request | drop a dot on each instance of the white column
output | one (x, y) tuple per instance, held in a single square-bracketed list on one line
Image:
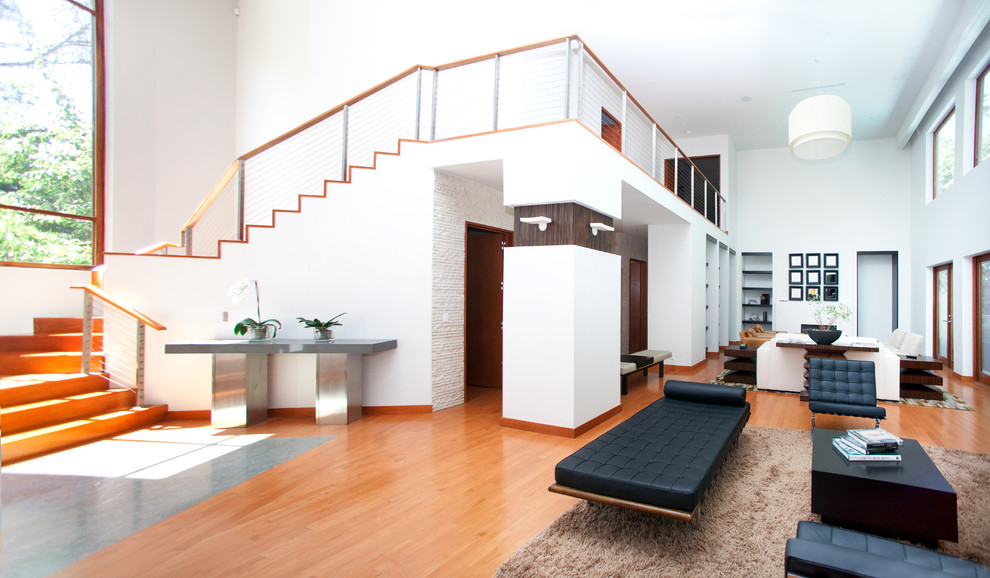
[(561, 335)]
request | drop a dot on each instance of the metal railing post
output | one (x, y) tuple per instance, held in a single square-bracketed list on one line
[(343, 152), (625, 126), (580, 92), (495, 96), (86, 358), (653, 156), (567, 80), (240, 200), (187, 238), (705, 204), (692, 188), (419, 100), (433, 106), (139, 363)]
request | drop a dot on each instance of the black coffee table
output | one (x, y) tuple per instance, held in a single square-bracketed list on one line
[(909, 499)]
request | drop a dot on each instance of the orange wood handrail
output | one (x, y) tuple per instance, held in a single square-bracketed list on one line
[(214, 193), (106, 297), (155, 248)]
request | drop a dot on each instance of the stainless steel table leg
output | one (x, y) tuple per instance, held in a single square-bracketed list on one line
[(240, 390), (338, 388)]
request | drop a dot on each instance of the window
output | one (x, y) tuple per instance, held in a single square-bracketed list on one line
[(945, 153), (982, 117), (611, 130), (50, 124)]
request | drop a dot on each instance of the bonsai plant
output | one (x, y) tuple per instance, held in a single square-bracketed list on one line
[(826, 314), (322, 330), (256, 330)]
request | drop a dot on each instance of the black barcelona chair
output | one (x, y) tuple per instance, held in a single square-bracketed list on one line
[(843, 387)]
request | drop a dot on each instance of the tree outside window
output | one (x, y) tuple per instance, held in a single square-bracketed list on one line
[(945, 153), (48, 211)]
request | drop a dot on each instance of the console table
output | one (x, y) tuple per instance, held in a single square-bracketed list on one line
[(781, 364), (240, 376)]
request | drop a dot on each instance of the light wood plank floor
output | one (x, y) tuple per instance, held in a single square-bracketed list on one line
[(448, 494)]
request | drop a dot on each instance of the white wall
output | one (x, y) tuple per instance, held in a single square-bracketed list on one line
[(952, 228), (366, 250), (677, 292), (30, 292), (170, 113), (856, 202)]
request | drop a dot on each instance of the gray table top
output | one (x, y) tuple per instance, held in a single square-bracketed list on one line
[(274, 346)]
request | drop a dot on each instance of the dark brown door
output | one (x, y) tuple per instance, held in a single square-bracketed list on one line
[(611, 131), (483, 304), (637, 306), (942, 315)]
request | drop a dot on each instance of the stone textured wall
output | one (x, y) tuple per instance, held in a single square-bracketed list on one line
[(456, 201), (628, 247)]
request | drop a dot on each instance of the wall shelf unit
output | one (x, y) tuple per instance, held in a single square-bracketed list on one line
[(757, 290)]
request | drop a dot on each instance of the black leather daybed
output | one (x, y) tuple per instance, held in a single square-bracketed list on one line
[(662, 459)]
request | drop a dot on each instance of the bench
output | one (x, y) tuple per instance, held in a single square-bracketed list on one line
[(662, 459), (823, 550), (641, 360)]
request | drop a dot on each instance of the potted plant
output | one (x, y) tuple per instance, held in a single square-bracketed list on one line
[(826, 314), (322, 330), (256, 330)]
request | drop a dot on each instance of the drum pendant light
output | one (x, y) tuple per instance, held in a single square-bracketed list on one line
[(819, 127)]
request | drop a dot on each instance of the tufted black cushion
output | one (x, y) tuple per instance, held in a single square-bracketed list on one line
[(826, 551), (665, 455), (844, 387)]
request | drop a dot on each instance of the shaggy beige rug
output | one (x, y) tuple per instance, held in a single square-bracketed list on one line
[(752, 508)]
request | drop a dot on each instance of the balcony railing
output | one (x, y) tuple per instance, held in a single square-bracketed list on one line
[(548, 82)]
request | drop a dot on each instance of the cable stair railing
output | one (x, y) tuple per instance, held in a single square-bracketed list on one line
[(123, 338), (555, 81)]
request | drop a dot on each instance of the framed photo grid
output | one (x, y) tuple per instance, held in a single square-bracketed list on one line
[(813, 276)]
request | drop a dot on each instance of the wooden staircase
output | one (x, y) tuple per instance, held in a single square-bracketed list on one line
[(47, 405)]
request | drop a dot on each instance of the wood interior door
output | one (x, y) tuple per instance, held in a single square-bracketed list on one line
[(981, 317), (637, 306), (483, 305), (942, 315)]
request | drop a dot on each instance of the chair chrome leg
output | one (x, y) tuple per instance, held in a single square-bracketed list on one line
[(812, 421), (878, 422)]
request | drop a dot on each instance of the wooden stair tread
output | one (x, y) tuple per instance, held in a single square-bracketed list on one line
[(34, 443), (48, 405)]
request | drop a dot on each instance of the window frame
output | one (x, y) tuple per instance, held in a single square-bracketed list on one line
[(981, 87), (99, 153), (935, 134)]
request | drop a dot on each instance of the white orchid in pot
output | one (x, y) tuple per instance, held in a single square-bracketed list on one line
[(256, 330)]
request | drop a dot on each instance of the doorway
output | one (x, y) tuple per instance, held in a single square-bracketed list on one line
[(637, 305), (981, 317), (876, 294), (942, 314), (483, 266)]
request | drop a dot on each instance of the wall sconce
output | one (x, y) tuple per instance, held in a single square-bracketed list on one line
[(541, 221), (595, 227)]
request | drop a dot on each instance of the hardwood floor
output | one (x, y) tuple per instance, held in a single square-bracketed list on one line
[(450, 493)]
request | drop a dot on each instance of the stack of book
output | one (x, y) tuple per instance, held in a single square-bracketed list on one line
[(869, 445)]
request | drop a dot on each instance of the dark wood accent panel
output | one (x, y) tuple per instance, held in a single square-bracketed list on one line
[(571, 225)]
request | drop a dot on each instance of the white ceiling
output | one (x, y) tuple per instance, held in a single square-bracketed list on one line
[(692, 64)]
